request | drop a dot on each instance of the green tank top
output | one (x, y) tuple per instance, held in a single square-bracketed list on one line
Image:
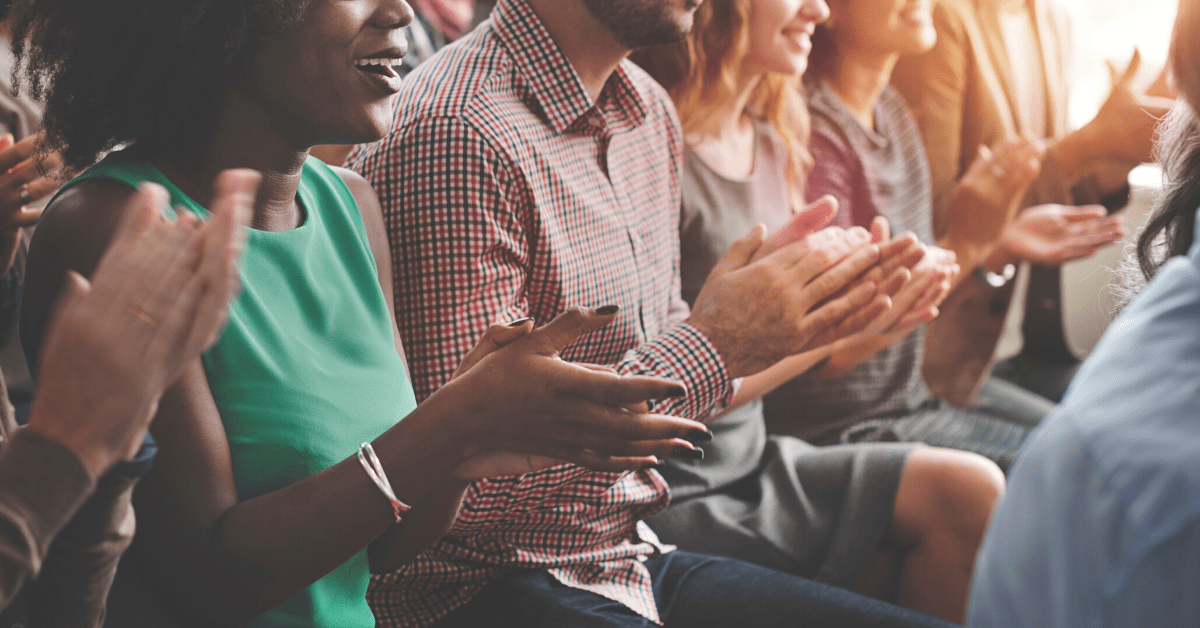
[(307, 368)]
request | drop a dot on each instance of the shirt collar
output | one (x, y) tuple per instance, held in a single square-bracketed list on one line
[(551, 80)]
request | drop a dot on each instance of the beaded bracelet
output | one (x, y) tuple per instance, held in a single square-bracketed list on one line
[(370, 463)]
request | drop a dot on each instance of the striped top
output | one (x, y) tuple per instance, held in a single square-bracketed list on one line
[(891, 161)]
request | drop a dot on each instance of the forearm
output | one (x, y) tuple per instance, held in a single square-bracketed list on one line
[(763, 382), (422, 526), (44, 485), (843, 360)]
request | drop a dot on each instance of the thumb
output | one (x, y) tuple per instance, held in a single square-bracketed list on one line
[(496, 336), (881, 231), (808, 220), (567, 327), (1135, 62), (142, 212)]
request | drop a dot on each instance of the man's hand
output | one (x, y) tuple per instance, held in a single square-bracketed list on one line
[(757, 312)]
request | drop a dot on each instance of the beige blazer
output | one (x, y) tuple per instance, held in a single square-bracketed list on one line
[(961, 93)]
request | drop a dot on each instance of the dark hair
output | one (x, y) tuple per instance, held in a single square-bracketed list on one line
[(1171, 229), (148, 73)]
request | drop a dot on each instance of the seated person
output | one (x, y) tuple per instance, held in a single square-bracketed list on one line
[(779, 501), (115, 344), (541, 167), (296, 442), (867, 153), (1101, 524), (1001, 69)]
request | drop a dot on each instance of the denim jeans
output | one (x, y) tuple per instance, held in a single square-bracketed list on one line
[(692, 591)]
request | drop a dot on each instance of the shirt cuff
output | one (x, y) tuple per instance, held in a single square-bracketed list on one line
[(686, 353)]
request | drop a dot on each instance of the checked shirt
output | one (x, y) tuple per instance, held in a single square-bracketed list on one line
[(507, 193)]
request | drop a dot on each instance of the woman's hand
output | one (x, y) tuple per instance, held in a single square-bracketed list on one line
[(1054, 234), (529, 410), (158, 298), (24, 180), (989, 195)]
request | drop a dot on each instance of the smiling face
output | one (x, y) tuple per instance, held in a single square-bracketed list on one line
[(639, 23), (331, 78), (780, 34), (884, 26)]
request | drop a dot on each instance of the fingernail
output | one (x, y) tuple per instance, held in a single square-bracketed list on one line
[(677, 391), (519, 322), (608, 310), (660, 467), (699, 436), (691, 454)]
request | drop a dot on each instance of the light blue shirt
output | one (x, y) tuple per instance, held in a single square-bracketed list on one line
[(1101, 522)]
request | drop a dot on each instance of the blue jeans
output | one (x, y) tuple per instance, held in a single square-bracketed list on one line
[(692, 591)]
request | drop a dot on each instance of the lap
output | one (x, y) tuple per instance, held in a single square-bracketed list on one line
[(995, 426), (818, 512), (691, 590)]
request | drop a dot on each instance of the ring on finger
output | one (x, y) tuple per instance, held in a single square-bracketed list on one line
[(24, 192), (141, 315)]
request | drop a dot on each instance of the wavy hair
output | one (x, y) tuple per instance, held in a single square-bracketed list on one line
[(701, 71), (1171, 227), (150, 73)]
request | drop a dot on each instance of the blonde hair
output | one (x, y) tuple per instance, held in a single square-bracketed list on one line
[(701, 74)]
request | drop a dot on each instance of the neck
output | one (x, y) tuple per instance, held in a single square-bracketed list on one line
[(585, 42), (246, 137), (859, 77), (732, 118)]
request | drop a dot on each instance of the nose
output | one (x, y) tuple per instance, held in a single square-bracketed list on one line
[(817, 11), (393, 14)]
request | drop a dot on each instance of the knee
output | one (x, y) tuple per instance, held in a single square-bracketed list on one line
[(949, 491)]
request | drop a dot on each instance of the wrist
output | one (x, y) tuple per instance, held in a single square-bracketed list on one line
[(1074, 151)]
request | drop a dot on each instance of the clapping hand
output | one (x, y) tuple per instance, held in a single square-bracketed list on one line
[(532, 410), (988, 196), (1054, 234)]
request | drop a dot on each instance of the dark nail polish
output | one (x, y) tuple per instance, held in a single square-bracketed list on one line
[(691, 454), (660, 467), (608, 309), (699, 436), (677, 391), (519, 322)]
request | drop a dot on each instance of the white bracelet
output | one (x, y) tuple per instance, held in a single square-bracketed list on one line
[(370, 463)]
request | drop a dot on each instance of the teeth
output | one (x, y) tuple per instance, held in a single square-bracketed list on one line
[(378, 61)]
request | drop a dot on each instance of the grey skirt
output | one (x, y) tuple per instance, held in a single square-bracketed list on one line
[(818, 512)]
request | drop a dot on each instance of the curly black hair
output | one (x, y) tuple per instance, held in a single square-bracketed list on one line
[(146, 73)]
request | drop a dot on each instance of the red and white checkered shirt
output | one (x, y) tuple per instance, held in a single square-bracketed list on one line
[(508, 193)]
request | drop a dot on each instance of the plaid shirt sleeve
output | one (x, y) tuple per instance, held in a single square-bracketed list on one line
[(468, 252)]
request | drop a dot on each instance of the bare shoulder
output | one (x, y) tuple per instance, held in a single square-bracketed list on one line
[(72, 234), (80, 222), (368, 205)]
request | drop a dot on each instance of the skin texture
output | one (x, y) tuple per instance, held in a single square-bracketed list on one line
[(246, 556)]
